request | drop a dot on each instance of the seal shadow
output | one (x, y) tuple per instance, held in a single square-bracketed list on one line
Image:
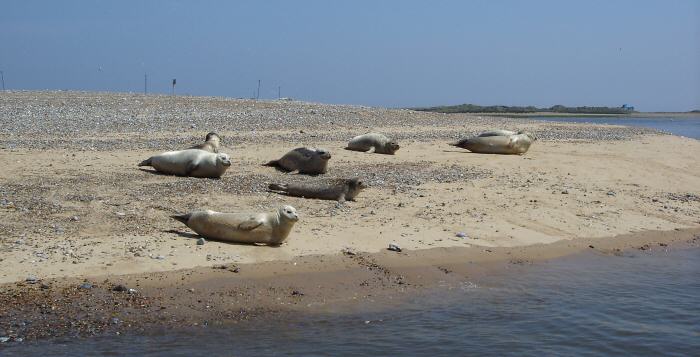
[(197, 236)]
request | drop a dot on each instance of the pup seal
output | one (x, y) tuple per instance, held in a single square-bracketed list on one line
[(310, 161), (373, 141), (211, 143), (517, 144), (338, 190), (266, 228), (190, 162)]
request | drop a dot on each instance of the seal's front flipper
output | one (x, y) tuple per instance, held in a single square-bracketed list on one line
[(371, 150), (190, 169), (250, 224)]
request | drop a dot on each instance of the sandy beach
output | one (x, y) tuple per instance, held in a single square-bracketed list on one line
[(75, 207)]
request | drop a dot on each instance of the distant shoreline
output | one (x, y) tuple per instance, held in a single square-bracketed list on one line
[(578, 115)]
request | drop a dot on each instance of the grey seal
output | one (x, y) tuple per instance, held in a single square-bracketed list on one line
[(263, 228), (310, 161), (338, 190), (376, 142), (190, 162), (212, 142), (517, 144)]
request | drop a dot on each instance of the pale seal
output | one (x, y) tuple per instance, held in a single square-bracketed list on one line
[(211, 143), (517, 144), (310, 161), (265, 228), (190, 162), (338, 190), (373, 141)]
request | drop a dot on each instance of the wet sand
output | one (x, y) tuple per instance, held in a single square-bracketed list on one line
[(76, 208)]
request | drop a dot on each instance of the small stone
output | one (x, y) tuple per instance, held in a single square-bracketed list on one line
[(611, 193), (115, 321), (85, 285), (120, 288), (75, 219), (4, 339), (160, 257), (461, 235), (132, 291), (201, 241), (565, 192), (120, 214), (349, 251), (297, 293), (394, 247), (32, 279), (591, 246)]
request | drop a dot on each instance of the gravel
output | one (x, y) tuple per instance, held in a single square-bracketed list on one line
[(54, 119)]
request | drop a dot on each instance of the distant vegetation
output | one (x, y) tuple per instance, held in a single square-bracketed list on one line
[(695, 111), (471, 108)]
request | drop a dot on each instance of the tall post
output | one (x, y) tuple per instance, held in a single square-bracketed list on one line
[(174, 82), (2, 75), (257, 96), (145, 83), (279, 92)]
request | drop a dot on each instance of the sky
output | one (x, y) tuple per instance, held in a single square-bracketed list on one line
[(374, 53)]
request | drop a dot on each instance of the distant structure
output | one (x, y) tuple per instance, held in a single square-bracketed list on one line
[(627, 108)]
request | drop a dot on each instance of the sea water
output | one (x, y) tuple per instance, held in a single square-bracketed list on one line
[(682, 126), (639, 304)]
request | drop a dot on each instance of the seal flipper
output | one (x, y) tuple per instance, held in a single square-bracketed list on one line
[(184, 218), (191, 168), (146, 162), (277, 188), (273, 163), (250, 224)]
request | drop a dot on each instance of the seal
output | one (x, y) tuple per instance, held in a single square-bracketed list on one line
[(212, 142), (498, 132), (373, 141), (310, 161), (338, 190), (517, 144), (263, 228), (190, 162)]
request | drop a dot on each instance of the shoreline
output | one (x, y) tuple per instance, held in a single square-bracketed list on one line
[(231, 294)]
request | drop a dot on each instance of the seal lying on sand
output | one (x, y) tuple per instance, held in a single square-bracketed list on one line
[(211, 143), (373, 141), (338, 190), (310, 161), (498, 144), (190, 162), (267, 228)]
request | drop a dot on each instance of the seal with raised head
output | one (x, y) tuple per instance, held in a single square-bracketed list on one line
[(212, 142), (373, 142), (338, 190), (517, 144), (310, 161), (263, 228), (190, 162)]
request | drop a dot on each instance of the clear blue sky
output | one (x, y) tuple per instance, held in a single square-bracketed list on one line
[(378, 53)]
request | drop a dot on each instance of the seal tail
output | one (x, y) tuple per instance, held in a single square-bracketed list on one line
[(273, 163), (277, 187), (146, 162), (182, 217)]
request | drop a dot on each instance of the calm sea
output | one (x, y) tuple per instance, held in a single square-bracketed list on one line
[(687, 126), (641, 304)]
